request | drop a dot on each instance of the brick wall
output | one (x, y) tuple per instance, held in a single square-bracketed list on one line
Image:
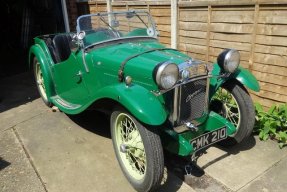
[(76, 8), (72, 13)]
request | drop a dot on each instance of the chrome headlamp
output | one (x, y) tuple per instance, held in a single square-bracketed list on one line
[(166, 75), (229, 60)]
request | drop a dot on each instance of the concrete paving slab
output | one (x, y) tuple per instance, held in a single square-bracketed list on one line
[(237, 166), (21, 113), (273, 180), (73, 154), (16, 172)]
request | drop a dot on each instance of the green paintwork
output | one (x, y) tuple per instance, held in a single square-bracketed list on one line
[(73, 94), (94, 37), (242, 75), (138, 32), (37, 51), (180, 143), (98, 36), (247, 78), (136, 99), (72, 87)]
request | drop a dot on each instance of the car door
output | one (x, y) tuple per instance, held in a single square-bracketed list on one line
[(69, 79)]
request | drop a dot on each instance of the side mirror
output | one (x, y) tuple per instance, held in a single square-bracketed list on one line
[(81, 35), (77, 41)]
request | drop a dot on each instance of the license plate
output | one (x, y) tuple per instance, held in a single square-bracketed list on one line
[(209, 138)]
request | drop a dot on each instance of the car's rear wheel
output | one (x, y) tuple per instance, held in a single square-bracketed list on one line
[(40, 81), (233, 102), (138, 151)]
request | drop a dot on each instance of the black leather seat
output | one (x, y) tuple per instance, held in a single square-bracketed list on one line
[(50, 46), (61, 44)]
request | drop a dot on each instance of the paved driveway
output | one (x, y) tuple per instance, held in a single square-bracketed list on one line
[(41, 150)]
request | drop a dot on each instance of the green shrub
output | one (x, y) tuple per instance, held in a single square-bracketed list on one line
[(272, 123)]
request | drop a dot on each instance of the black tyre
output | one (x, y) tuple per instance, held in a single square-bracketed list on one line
[(138, 151), (40, 81), (233, 102)]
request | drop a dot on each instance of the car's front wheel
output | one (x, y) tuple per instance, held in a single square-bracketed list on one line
[(138, 150), (233, 102)]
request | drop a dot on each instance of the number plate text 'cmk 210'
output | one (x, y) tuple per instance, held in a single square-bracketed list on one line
[(208, 138)]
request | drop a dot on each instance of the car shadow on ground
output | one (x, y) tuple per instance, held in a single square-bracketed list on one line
[(17, 90), (247, 144), (174, 164), (87, 120), (195, 176)]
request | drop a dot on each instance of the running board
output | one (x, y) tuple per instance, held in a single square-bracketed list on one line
[(65, 104)]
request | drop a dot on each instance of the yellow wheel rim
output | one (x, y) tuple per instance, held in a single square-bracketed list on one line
[(130, 146), (40, 81)]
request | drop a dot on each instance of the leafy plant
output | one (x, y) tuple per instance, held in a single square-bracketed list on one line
[(272, 123)]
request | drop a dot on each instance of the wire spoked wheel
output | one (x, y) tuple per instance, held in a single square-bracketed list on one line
[(233, 102), (229, 107), (40, 81), (131, 147), (138, 151)]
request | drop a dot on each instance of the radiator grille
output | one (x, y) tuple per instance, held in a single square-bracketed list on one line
[(192, 101)]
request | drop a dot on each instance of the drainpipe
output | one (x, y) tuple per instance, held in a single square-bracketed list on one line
[(109, 9), (65, 15), (174, 23)]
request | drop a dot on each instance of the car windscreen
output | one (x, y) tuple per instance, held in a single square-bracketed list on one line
[(104, 27)]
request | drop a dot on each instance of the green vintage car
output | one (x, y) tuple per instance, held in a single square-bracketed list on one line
[(157, 97)]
